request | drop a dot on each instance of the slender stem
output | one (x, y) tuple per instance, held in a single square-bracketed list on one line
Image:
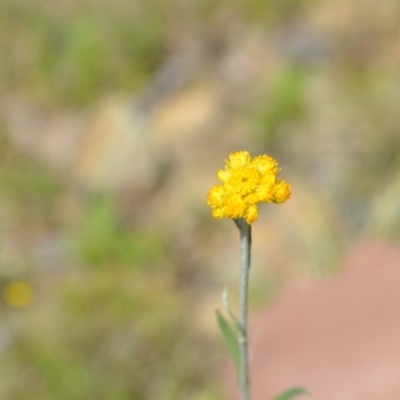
[(245, 253)]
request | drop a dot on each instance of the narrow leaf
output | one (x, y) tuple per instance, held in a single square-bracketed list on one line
[(230, 338), (292, 393), (225, 303)]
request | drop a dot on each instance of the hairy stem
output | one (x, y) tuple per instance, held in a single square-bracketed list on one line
[(245, 253)]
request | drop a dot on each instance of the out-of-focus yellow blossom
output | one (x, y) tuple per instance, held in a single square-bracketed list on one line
[(246, 181), (18, 294)]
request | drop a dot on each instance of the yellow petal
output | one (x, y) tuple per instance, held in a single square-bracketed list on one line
[(282, 192), (223, 175), (215, 196), (251, 214), (265, 164), (238, 159)]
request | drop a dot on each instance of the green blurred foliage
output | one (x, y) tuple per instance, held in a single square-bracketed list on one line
[(266, 13), (102, 240), (72, 56), (114, 326), (113, 323), (281, 102), (28, 189)]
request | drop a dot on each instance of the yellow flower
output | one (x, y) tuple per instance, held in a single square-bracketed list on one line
[(246, 181), (18, 294)]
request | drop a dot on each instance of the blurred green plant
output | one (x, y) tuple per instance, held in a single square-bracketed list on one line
[(281, 102), (267, 13), (109, 334), (74, 56), (102, 239), (30, 189), (110, 323)]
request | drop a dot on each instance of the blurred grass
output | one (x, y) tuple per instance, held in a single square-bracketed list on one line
[(111, 322), (102, 240), (72, 55), (280, 102), (29, 188), (254, 12)]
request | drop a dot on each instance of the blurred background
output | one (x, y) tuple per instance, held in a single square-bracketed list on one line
[(115, 116)]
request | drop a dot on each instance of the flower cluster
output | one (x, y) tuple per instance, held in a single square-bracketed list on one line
[(246, 181)]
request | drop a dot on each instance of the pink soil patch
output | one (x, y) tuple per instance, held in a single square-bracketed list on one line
[(339, 338)]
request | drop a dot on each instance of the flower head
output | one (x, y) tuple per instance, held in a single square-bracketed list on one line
[(246, 181)]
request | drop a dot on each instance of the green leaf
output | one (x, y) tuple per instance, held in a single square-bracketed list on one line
[(292, 393), (230, 338)]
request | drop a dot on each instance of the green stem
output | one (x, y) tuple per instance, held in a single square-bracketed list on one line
[(245, 253)]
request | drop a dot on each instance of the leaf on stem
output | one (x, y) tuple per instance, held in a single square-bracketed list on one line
[(230, 338), (292, 393), (225, 303)]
